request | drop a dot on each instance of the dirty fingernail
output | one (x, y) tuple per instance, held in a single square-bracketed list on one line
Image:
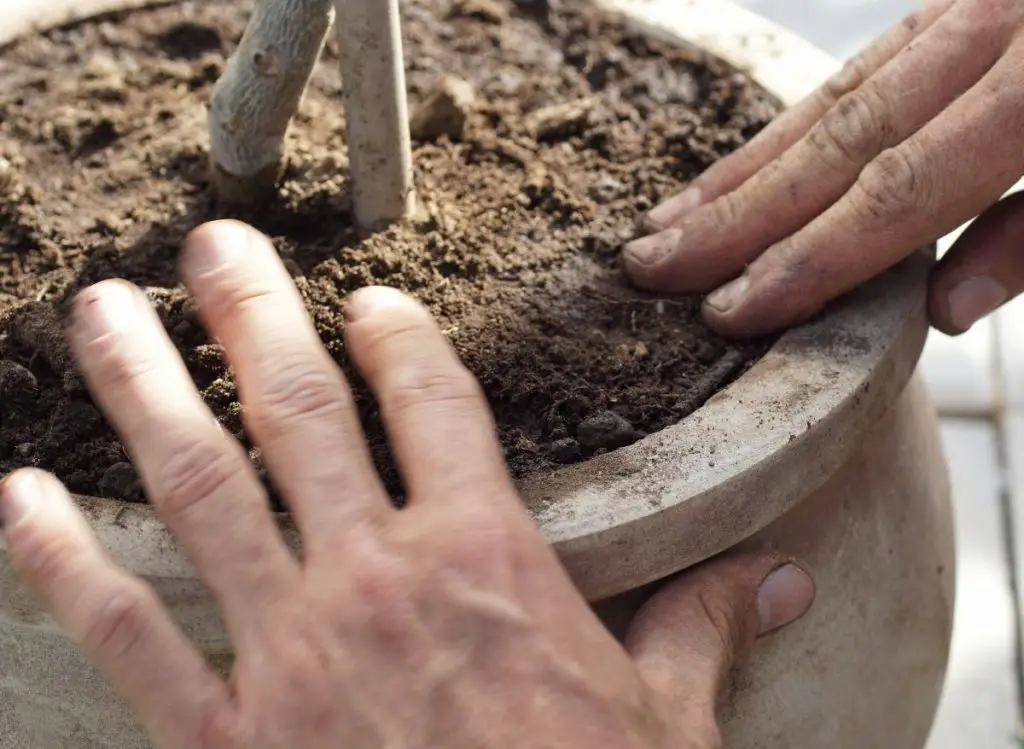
[(973, 299), (728, 296), (784, 596), (215, 245), (675, 208), (653, 249), (373, 299), (19, 495), (104, 308)]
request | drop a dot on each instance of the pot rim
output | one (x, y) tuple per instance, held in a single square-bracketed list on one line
[(770, 439), (750, 454)]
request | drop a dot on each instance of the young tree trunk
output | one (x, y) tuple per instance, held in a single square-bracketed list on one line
[(376, 107), (261, 88)]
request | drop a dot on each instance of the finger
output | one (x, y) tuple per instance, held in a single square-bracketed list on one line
[(438, 422), (727, 174), (296, 403), (688, 637), (113, 617), (199, 479), (716, 242), (982, 271), (951, 170)]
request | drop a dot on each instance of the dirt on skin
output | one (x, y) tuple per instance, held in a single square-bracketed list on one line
[(577, 125)]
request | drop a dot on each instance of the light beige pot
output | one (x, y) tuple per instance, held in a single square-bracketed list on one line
[(828, 449)]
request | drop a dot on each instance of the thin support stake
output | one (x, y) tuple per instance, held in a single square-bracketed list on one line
[(373, 81)]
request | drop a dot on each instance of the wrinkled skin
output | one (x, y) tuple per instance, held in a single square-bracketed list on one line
[(920, 133), (449, 623)]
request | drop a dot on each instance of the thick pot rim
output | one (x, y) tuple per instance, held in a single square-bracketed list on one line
[(750, 454)]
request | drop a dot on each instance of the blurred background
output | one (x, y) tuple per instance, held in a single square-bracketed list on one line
[(978, 383), (840, 27)]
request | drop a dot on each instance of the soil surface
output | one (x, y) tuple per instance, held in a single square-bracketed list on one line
[(531, 183)]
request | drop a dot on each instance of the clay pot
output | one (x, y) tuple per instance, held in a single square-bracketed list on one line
[(828, 449)]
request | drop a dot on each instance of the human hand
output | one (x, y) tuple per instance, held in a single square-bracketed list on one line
[(448, 623), (921, 132)]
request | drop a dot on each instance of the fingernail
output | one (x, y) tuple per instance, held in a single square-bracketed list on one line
[(19, 495), (728, 296), (653, 249), (675, 208), (784, 596), (973, 299), (103, 309), (215, 245), (373, 299)]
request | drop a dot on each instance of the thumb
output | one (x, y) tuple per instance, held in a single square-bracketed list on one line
[(982, 271), (687, 638)]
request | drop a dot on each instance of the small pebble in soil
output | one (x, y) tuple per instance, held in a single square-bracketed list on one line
[(606, 430), (108, 225), (444, 111), (489, 11), (101, 66), (559, 119), (607, 190), (565, 450), (120, 481), (16, 382), (558, 430)]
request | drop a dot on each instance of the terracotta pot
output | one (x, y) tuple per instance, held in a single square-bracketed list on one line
[(828, 449)]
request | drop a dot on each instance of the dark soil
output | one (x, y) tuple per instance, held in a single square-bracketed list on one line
[(103, 171)]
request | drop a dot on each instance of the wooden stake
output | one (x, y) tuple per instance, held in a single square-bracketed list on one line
[(376, 107)]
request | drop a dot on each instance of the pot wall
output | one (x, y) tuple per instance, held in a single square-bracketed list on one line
[(864, 669)]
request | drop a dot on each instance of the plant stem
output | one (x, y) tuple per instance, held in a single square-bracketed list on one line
[(376, 107), (255, 99)]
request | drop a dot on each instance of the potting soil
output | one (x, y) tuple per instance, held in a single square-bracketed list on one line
[(577, 126)]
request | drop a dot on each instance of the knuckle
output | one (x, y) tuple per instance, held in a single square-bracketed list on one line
[(388, 338), (890, 187), (195, 474), (792, 280), (118, 367), (386, 584), (719, 614), (851, 132), (450, 388), (787, 267), (217, 729), (119, 622), (295, 388), (45, 558), (725, 210), (235, 298), (848, 78)]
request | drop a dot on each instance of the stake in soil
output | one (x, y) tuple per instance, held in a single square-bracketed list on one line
[(264, 81)]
